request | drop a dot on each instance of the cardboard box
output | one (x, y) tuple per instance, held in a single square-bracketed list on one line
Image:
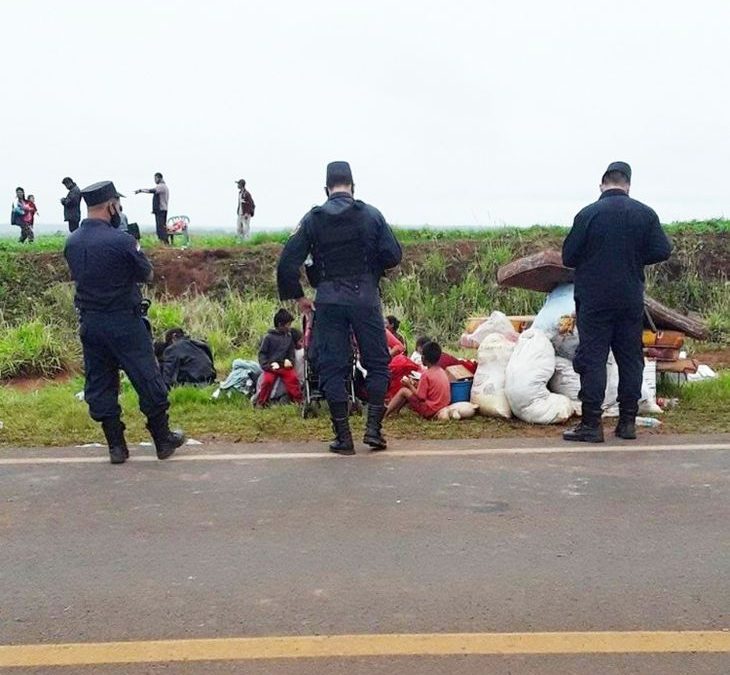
[(459, 374)]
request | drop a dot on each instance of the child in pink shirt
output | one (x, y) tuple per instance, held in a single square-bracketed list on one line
[(433, 392)]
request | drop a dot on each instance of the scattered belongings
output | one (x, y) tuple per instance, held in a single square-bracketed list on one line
[(525, 364), (669, 319), (538, 272)]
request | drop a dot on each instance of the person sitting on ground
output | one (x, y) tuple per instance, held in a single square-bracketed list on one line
[(395, 346), (186, 361), (298, 338), (446, 360), (392, 323), (276, 357), (433, 392)]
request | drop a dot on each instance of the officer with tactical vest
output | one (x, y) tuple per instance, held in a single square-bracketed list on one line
[(107, 266), (351, 246)]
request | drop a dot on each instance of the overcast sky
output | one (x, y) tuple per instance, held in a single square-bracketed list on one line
[(451, 113)]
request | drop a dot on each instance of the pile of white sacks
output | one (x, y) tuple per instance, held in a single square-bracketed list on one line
[(530, 375)]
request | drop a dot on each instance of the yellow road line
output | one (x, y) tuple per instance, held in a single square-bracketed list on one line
[(342, 646)]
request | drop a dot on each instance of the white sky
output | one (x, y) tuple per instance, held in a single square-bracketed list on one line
[(451, 113)]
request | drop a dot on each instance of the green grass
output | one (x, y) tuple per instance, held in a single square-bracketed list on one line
[(406, 235), (53, 416)]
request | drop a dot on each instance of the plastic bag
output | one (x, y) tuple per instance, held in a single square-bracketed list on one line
[(530, 368), (457, 411), (557, 320), (566, 381), (496, 323), (487, 391)]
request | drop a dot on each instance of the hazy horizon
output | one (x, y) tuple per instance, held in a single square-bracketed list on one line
[(473, 114)]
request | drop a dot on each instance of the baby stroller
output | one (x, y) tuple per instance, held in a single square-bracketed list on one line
[(313, 394)]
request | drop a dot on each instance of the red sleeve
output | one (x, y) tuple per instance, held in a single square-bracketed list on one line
[(423, 387), (393, 341)]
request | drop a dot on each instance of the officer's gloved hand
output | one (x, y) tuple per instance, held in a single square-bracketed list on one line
[(287, 364)]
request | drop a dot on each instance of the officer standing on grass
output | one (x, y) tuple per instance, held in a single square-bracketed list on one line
[(610, 243), (107, 265), (351, 246)]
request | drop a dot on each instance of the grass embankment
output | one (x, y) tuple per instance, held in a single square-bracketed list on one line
[(224, 291), (52, 416)]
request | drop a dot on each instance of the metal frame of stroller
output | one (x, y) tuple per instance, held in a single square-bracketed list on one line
[(313, 395)]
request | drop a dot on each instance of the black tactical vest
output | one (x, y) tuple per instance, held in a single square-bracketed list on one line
[(340, 242)]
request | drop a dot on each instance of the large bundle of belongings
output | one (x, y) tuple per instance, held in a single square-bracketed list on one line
[(526, 363)]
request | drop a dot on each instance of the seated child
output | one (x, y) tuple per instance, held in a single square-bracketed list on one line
[(298, 338), (433, 392), (276, 357), (446, 359)]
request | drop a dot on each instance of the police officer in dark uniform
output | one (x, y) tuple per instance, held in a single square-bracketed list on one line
[(107, 265), (351, 246), (610, 243)]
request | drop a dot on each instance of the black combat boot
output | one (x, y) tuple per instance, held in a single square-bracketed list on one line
[(166, 441), (373, 428), (590, 430), (626, 427), (114, 434), (343, 444)]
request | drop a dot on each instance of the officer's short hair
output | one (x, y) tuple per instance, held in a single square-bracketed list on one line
[(282, 317), (158, 174), (615, 178), (431, 353)]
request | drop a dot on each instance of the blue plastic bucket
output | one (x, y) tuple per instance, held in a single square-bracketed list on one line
[(461, 391)]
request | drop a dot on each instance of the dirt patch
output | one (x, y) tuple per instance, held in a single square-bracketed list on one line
[(28, 384), (717, 360), (189, 271)]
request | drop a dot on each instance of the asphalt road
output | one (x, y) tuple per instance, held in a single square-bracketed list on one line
[(253, 545)]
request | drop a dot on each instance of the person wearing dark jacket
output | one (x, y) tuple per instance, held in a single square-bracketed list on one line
[(277, 358), (186, 361), (610, 243), (71, 204), (107, 267), (351, 246)]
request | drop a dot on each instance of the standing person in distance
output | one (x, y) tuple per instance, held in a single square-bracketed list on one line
[(71, 204), (18, 214), (107, 267), (351, 246), (160, 199), (610, 243), (246, 208)]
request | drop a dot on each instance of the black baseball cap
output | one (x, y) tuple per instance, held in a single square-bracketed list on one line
[(339, 173), (621, 167), (101, 192)]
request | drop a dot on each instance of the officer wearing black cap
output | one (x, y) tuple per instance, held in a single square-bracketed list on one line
[(610, 243), (107, 265), (351, 246)]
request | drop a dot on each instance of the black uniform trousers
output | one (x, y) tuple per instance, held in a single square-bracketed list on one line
[(333, 328), (114, 340), (601, 330), (161, 226)]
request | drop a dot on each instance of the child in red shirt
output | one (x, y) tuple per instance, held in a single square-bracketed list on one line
[(433, 392)]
